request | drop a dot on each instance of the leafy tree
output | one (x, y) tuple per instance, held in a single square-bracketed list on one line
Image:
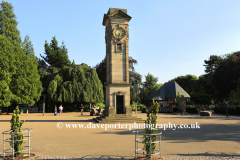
[(210, 67), (8, 23), (18, 69), (135, 79), (187, 82), (150, 84), (56, 56), (74, 85), (8, 68), (234, 95), (27, 46), (226, 76)]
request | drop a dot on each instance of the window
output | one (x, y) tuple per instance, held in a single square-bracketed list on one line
[(119, 47)]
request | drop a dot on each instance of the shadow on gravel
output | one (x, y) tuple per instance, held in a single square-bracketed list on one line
[(210, 155), (207, 132), (52, 120)]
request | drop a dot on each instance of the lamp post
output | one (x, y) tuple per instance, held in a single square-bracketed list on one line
[(44, 96), (136, 107), (227, 109)]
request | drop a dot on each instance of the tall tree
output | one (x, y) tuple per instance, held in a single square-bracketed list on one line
[(150, 82), (76, 84), (226, 76), (8, 23), (18, 70), (27, 46), (187, 82), (56, 56), (8, 68), (149, 86)]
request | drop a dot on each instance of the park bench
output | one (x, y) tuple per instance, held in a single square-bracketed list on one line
[(205, 113)]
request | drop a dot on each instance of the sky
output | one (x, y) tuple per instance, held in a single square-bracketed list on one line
[(167, 38)]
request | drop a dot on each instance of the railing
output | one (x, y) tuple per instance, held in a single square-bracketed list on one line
[(12, 140), (140, 140)]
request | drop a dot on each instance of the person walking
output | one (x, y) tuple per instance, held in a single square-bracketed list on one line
[(81, 109), (55, 110), (203, 107), (60, 110)]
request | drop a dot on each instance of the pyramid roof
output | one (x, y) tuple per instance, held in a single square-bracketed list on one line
[(168, 90)]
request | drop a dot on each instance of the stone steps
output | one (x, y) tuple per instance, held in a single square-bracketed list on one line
[(118, 119)]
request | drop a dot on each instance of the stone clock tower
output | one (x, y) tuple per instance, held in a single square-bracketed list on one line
[(117, 82)]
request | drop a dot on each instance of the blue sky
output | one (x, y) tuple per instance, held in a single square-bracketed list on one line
[(167, 38)]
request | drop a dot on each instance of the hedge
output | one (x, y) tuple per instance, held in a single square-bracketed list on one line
[(140, 107), (234, 110)]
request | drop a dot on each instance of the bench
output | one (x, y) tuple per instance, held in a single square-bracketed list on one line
[(205, 113)]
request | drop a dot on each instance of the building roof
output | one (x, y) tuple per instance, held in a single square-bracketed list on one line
[(168, 90)]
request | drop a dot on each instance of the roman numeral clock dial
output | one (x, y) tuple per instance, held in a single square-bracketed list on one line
[(119, 33)]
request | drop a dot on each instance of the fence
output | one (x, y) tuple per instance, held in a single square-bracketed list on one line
[(140, 140), (12, 140)]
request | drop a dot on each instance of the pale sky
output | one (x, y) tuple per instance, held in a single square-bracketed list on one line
[(167, 38)]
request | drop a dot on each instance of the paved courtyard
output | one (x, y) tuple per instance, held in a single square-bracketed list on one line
[(217, 135)]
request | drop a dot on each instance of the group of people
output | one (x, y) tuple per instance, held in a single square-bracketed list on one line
[(200, 107), (61, 110)]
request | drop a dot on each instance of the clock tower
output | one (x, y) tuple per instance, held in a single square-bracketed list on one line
[(117, 80)]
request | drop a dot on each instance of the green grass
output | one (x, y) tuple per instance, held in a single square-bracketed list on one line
[(37, 157)]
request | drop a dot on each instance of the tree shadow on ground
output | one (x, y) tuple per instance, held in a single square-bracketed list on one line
[(207, 132), (210, 155), (60, 120)]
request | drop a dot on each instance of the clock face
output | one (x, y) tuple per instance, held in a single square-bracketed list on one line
[(119, 33)]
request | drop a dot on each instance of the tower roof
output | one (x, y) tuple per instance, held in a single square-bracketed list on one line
[(115, 13)]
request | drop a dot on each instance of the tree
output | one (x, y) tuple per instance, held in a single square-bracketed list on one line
[(74, 85), (187, 82), (226, 76), (8, 23), (151, 128), (135, 79), (16, 126), (56, 56), (234, 95), (8, 67), (27, 46), (18, 69), (151, 83), (210, 67)]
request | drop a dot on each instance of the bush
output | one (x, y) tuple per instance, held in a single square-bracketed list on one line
[(167, 106), (192, 110), (16, 126), (133, 108), (86, 107), (100, 104), (189, 106), (139, 107), (234, 110)]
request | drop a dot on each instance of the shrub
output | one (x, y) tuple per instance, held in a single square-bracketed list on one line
[(189, 106), (167, 106), (100, 104), (16, 126), (139, 106), (192, 110), (151, 120), (234, 110)]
